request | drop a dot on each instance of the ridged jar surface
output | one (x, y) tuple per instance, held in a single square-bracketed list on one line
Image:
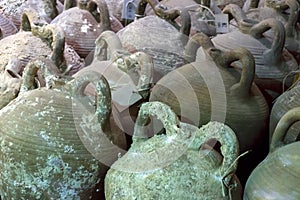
[(7, 27), (43, 156), (81, 29), (277, 177), (25, 46)]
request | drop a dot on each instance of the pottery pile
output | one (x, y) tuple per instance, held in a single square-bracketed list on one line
[(149, 99)]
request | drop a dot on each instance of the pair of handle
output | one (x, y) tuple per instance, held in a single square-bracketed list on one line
[(224, 59), (256, 30), (167, 14), (172, 126), (52, 35)]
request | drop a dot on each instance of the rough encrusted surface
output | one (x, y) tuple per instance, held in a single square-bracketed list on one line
[(43, 157), (171, 166)]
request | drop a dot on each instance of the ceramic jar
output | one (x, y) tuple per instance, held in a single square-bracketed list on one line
[(277, 177), (173, 164), (212, 88), (129, 76), (157, 37), (64, 147), (273, 62), (80, 24)]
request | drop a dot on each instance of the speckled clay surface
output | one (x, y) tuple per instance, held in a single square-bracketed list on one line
[(172, 165), (46, 155)]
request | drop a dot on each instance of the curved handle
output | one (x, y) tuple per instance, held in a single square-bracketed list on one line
[(48, 69), (30, 20), (193, 44), (287, 120), (54, 36), (162, 112), (223, 59), (272, 55), (243, 87), (102, 16), (171, 14), (212, 130), (236, 12), (229, 145), (167, 14), (109, 40), (141, 8), (103, 95), (145, 63), (290, 26)]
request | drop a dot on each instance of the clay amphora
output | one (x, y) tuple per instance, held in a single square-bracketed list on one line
[(64, 147), (156, 36), (129, 76), (277, 177), (80, 24), (213, 89), (173, 165), (273, 62), (46, 9)]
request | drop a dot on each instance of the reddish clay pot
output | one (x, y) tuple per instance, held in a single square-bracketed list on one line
[(80, 24)]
